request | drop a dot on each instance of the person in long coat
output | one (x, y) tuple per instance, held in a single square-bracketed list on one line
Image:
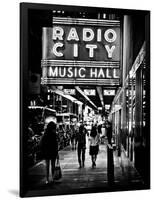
[(49, 148)]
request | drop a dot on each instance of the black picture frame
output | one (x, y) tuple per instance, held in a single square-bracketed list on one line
[(29, 42)]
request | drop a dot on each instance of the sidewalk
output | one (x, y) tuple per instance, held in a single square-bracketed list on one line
[(75, 180)]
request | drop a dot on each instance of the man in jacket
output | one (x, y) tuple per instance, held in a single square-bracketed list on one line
[(81, 145)]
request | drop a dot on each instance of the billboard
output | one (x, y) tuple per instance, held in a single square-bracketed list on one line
[(81, 51)]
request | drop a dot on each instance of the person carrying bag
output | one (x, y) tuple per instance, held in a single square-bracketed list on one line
[(49, 150), (57, 172)]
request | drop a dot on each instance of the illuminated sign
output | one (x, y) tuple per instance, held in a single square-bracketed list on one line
[(69, 91), (107, 107), (109, 92), (90, 92), (76, 49)]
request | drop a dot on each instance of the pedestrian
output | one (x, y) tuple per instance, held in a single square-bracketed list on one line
[(76, 133), (49, 149), (94, 145), (72, 136), (109, 131), (103, 134), (81, 145), (99, 127)]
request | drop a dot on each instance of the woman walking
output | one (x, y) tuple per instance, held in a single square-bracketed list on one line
[(94, 145), (49, 148)]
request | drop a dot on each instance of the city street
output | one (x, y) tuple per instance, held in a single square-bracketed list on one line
[(76, 180)]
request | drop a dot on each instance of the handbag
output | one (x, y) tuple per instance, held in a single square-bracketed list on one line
[(57, 171)]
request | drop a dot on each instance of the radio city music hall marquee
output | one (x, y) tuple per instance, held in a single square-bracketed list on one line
[(81, 51)]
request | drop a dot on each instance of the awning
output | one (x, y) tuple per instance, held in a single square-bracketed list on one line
[(42, 108), (66, 114), (67, 96), (85, 96)]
